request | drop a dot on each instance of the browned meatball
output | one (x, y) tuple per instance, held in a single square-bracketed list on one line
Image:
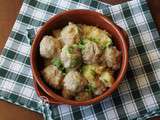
[(70, 34), (53, 76), (91, 52), (49, 47), (112, 57), (73, 83)]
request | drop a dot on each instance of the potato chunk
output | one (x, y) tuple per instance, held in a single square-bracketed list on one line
[(107, 78)]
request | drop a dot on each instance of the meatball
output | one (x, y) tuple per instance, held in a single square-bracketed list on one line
[(53, 76), (107, 78), (56, 33), (49, 46), (82, 96), (70, 34), (91, 52), (73, 83), (71, 56), (112, 57)]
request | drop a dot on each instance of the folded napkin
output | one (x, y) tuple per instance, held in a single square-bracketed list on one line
[(137, 97)]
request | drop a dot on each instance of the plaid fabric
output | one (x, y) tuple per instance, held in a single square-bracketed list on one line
[(138, 96)]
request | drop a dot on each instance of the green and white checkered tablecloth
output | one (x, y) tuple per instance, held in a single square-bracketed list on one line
[(137, 97)]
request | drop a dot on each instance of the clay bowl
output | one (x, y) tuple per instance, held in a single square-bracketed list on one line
[(44, 96), (79, 16)]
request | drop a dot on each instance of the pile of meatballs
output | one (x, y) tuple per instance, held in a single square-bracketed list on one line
[(79, 61)]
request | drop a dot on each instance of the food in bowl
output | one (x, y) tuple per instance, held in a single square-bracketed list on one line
[(79, 61)]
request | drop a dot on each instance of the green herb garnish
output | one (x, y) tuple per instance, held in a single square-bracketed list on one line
[(107, 43), (70, 49), (96, 40), (90, 89), (58, 63)]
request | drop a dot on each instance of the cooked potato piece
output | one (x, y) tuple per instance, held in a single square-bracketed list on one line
[(101, 36), (53, 76), (82, 96), (91, 52), (90, 71), (85, 30), (97, 87), (74, 82), (107, 78), (70, 34), (96, 34), (98, 69), (71, 57), (112, 57), (100, 88), (49, 47), (67, 93)]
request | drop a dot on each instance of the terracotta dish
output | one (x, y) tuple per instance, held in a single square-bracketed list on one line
[(43, 95), (79, 16)]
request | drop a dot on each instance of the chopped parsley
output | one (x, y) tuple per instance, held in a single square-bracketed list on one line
[(80, 46), (96, 40), (90, 89), (106, 43), (70, 49), (75, 61), (58, 63)]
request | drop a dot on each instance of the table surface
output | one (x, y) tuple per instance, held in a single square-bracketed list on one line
[(8, 13)]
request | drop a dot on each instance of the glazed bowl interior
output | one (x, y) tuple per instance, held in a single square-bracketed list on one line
[(78, 17)]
